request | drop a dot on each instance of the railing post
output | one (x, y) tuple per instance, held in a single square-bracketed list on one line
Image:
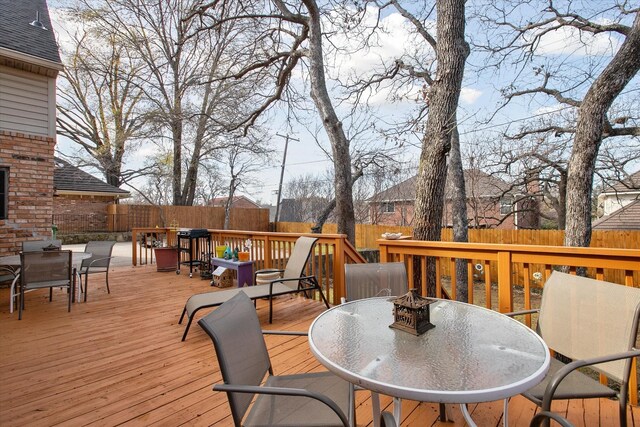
[(134, 240), (505, 295), (384, 253), (338, 270)]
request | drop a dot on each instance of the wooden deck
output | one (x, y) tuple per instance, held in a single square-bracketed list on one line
[(118, 359)]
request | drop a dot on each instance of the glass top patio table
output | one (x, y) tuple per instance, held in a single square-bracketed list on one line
[(472, 355)]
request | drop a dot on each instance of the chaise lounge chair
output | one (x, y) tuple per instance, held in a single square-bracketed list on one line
[(292, 281)]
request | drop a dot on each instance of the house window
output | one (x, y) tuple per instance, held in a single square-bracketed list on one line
[(4, 192), (388, 207), (506, 206)]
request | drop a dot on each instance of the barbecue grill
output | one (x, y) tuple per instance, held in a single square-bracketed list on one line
[(194, 247)]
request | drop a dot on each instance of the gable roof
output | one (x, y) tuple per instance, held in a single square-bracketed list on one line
[(478, 184), (18, 36), (68, 179), (625, 218), (628, 185)]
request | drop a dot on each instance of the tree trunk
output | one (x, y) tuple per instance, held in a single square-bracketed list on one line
[(589, 129), (339, 143), (451, 53), (455, 175)]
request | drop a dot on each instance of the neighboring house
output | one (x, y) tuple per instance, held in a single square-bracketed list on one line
[(619, 195), (489, 203), (29, 65), (236, 202), (80, 200), (625, 218)]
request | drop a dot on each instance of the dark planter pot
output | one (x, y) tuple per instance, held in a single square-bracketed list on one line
[(166, 259)]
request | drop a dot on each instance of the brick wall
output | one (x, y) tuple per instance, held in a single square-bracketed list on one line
[(30, 205)]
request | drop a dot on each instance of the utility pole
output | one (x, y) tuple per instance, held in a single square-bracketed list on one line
[(284, 160)]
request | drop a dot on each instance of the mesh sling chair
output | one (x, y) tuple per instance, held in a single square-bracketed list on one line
[(371, 280), (593, 323), (311, 399), (292, 281), (98, 263), (29, 246), (45, 269)]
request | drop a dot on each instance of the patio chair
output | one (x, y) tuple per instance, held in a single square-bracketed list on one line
[(545, 416), (372, 280), (309, 399), (29, 246), (292, 281), (387, 420), (45, 269), (98, 263), (590, 322)]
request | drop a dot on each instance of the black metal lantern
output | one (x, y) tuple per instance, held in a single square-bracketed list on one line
[(411, 313)]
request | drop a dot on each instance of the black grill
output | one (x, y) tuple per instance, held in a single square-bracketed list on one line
[(194, 233)]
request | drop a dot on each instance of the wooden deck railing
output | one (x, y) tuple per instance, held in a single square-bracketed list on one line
[(268, 250), (616, 265)]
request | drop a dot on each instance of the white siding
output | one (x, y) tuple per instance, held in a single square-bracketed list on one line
[(26, 102)]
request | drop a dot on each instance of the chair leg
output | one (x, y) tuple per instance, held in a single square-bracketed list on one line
[(50, 294), (107, 280), (270, 308), (184, 311), (71, 293), (21, 302), (186, 330), (86, 285)]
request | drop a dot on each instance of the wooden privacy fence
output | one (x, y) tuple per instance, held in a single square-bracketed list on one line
[(148, 216), (267, 250), (367, 235)]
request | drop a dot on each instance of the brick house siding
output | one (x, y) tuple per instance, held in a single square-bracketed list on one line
[(30, 196)]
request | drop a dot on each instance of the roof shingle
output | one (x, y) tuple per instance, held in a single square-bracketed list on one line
[(70, 178), (17, 34)]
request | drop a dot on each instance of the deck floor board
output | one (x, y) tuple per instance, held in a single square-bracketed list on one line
[(118, 360)]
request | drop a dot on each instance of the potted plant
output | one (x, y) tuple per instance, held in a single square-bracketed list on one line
[(166, 258)]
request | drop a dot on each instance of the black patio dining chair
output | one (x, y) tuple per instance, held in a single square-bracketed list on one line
[(45, 269), (546, 416), (309, 399), (371, 280), (594, 324), (98, 263), (28, 246)]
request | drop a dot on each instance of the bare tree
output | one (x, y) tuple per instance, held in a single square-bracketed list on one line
[(192, 109), (242, 161), (99, 106), (589, 88), (295, 35)]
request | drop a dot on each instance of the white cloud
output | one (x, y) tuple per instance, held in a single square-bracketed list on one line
[(470, 95), (570, 41)]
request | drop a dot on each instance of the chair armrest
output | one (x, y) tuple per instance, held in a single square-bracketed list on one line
[(295, 333), (284, 391), (268, 270), (521, 312), (98, 259), (561, 373), (292, 279), (545, 415)]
